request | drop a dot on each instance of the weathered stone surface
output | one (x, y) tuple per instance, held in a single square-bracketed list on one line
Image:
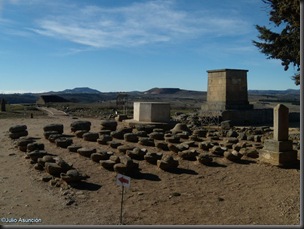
[(34, 155), (190, 143), (172, 138), (119, 134), (278, 158), (137, 153), (232, 133), (217, 150), (63, 142), (157, 135), (44, 159), (173, 148), (115, 158), (23, 142), (53, 169), (152, 157), (232, 155), (72, 176), (183, 135), (257, 138), (120, 168), (125, 148), (249, 152), (128, 162), (205, 145), (107, 164), (147, 128), (226, 125), (280, 122), (162, 146), (90, 136), (182, 146), (54, 127), (96, 157), (115, 144), (232, 140), (80, 125), (204, 158), (146, 141), (141, 133), (108, 125), (18, 134), (35, 146), (278, 146), (200, 133), (167, 163), (130, 137), (53, 137), (104, 139), (86, 152), (242, 136), (188, 154), (74, 148), (63, 164), (17, 128), (47, 134), (180, 127), (80, 133)]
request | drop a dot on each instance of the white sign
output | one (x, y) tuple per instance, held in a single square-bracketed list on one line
[(123, 180)]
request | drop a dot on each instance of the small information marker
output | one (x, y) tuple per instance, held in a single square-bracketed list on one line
[(123, 181)]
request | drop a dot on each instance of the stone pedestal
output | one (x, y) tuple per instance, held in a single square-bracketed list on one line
[(151, 112), (278, 151), (227, 90)]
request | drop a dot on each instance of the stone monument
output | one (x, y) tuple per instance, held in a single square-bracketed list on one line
[(227, 89), (278, 151), (227, 98)]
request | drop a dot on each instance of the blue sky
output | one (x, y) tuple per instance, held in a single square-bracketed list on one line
[(126, 45)]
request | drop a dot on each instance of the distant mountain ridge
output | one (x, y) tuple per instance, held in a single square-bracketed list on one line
[(89, 95), (77, 90)]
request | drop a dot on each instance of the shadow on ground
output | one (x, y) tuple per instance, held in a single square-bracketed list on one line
[(82, 185)]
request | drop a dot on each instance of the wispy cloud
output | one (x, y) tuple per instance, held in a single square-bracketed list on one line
[(138, 24)]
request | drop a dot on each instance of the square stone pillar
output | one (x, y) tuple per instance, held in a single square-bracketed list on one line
[(227, 89), (278, 151)]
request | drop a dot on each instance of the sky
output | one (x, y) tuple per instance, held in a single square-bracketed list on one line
[(132, 45)]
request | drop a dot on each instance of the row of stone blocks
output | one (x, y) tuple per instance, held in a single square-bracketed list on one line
[(54, 165)]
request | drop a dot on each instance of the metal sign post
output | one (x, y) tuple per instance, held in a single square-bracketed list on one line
[(123, 181)]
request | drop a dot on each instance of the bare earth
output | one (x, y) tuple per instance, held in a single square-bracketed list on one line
[(232, 194)]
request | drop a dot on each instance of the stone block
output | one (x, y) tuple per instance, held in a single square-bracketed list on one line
[(277, 146), (151, 112), (278, 158)]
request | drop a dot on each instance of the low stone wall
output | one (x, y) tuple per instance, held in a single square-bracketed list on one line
[(248, 117)]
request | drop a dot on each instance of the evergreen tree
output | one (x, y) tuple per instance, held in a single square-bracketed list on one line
[(284, 43)]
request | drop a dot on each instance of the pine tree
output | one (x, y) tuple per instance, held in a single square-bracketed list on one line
[(285, 44)]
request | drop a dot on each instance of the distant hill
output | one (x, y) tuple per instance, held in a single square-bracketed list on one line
[(77, 90), (88, 95), (159, 91)]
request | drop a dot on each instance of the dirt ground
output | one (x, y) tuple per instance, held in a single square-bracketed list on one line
[(231, 194)]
